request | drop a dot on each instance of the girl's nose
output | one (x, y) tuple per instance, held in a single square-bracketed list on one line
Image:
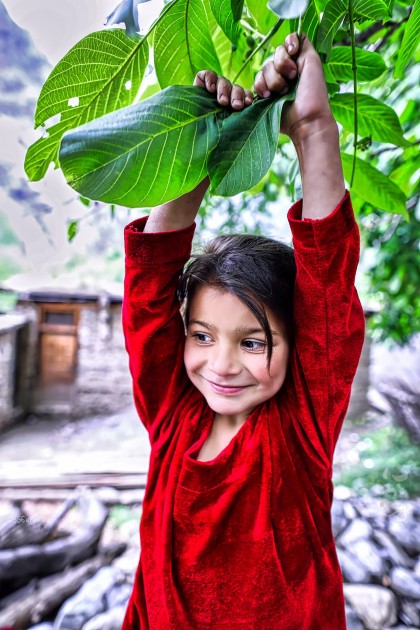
[(224, 361)]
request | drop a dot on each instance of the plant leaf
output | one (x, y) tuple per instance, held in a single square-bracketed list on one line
[(147, 153), (227, 14), (263, 16), (288, 9), (333, 16), (375, 119), (72, 230), (247, 147), (370, 65), (410, 41), (370, 9), (96, 71), (374, 187), (183, 44), (310, 22)]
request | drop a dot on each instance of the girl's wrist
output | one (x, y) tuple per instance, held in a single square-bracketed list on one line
[(313, 131)]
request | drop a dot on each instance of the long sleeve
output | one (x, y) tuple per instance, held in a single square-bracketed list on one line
[(329, 326), (152, 324)]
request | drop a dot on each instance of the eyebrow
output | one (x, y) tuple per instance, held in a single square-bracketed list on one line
[(243, 330)]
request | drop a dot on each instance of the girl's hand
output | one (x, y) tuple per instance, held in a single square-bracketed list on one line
[(228, 94), (310, 112)]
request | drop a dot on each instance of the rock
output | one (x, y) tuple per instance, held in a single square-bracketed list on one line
[(129, 533), (417, 568), (368, 555), (342, 493), (407, 532), (376, 606), (89, 600), (127, 563), (405, 582), (110, 620), (118, 595), (349, 511), (352, 620), (42, 626), (391, 550), (351, 569), (411, 614), (355, 531), (338, 518)]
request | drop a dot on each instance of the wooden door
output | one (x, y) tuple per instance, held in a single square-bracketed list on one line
[(58, 343)]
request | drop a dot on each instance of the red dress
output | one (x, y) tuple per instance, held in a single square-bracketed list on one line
[(244, 540)]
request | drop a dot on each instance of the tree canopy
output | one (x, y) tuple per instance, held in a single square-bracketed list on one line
[(123, 138)]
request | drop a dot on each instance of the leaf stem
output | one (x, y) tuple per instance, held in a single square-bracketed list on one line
[(354, 68), (262, 43)]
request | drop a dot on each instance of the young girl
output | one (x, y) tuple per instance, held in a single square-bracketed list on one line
[(244, 406)]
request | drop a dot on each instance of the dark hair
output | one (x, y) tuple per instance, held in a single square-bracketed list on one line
[(258, 270)]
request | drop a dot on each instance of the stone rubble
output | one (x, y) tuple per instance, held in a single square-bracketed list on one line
[(378, 546)]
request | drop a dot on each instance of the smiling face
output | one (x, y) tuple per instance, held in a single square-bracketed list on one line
[(226, 354)]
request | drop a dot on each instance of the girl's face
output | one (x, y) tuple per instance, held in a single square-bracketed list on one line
[(226, 354)]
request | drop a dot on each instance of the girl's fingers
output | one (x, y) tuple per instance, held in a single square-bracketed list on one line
[(283, 64), (260, 86), (227, 94), (292, 43), (275, 82), (206, 79), (224, 89), (249, 97)]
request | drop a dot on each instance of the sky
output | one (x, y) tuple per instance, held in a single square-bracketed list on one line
[(56, 25)]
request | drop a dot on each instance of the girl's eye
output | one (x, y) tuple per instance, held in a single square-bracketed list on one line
[(202, 337), (254, 345)]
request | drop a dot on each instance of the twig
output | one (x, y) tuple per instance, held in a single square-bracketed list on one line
[(262, 43)]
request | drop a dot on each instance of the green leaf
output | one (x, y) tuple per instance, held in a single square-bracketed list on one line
[(310, 22), (333, 16), (288, 9), (183, 44), (227, 14), (375, 119), (263, 16), (144, 154), (100, 74), (370, 9), (72, 230), (232, 61), (247, 147), (410, 41), (374, 187), (370, 65)]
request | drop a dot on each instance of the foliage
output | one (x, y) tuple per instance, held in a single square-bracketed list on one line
[(115, 145), (389, 465)]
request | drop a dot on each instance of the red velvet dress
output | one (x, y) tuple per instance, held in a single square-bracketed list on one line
[(244, 540)]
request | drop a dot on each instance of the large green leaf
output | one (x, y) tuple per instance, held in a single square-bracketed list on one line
[(375, 119), (369, 65), (410, 41), (332, 18), (288, 9), (370, 9), (100, 74), (373, 186), (227, 14), (246, 148), (147, 153), (183, 44)]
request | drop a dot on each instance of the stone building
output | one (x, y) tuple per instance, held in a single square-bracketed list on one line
[(63, 353)]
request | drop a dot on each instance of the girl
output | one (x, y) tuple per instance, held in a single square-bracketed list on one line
[(244, 406)]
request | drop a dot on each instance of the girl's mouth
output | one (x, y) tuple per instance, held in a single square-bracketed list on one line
[(225, 389)]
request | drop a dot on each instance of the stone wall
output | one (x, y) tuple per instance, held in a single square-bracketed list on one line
[(14, 336), (103, 381)]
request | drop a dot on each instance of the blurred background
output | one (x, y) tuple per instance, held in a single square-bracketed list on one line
[(73, 453)]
